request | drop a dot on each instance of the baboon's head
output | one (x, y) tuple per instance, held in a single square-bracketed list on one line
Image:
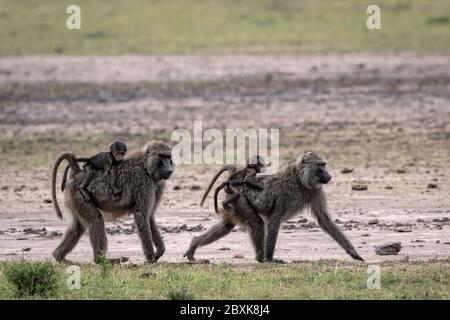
[(313, 171), (118, 149), (159, 163)]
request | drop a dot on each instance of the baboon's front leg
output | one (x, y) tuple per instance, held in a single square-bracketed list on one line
[(157, 239), (145, 234), (320, 210)]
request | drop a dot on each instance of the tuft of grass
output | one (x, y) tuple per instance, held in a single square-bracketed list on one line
[(32, 278), (180, 294)]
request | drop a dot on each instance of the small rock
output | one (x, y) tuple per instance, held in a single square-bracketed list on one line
[(238, 256), (389, 187), (373, 221), (17, 189), (365, 235), (224, 249), (177, 187), (402, 230), (359, 186), (195, 188), (401, 171), (391, 248), (5, 188), (420, 220), (432, 186), (48, 201), (347, 170), (26, 249)]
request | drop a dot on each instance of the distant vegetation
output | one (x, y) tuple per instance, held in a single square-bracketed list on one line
[(188, 26)]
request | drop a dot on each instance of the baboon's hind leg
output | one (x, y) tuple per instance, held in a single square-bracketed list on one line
[(97, 233), (216, 232), (256, 229), (70, 239), (92, 219)]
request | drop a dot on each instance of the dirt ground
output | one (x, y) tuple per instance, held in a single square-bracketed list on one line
[(386, 116)]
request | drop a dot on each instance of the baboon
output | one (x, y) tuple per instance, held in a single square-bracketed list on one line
[(297, 187), (141, 176), (237, 178), (102, 161)]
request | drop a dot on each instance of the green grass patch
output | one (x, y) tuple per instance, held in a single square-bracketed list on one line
[(325, 279), (190, 26)]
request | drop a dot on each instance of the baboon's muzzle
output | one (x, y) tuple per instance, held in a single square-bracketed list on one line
[(325, 178)]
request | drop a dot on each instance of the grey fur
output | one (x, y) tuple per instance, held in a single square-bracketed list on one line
[(142, 178), (297, 187)]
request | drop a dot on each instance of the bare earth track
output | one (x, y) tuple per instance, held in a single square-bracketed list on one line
[(386, 116)]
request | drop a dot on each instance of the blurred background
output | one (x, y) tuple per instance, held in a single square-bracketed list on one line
[(212, 26)]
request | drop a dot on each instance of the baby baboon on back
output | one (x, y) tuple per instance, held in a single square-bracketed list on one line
[(142, 177), (297, 187), (102, 161), (232, 185)]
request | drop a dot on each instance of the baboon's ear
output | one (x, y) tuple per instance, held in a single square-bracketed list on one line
[(301, 159)]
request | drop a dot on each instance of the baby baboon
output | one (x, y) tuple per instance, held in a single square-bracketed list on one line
[(285, 193), (232, 185), (142, 178), (102, 161)]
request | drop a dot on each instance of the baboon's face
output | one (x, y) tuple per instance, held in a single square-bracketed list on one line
[(313, 171), (160, 166), (118, 155)]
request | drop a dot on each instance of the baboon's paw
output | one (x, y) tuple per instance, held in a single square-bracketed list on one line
[(190, 255)]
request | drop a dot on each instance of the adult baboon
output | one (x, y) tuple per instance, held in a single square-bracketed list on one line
[(141, 177), (285, 193)]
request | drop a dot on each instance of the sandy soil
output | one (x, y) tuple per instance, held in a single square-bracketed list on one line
[(385, 116)]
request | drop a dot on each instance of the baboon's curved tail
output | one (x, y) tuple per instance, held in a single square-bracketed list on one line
[(66, 171), (70, 157), (64, 178), (230, 168)]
